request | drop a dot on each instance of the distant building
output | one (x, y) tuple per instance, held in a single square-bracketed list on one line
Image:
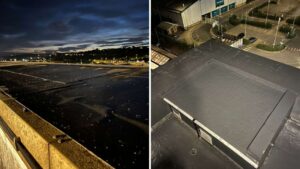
[(189, 12)]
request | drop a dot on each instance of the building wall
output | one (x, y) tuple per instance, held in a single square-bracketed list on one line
[(207, 6), (191, 15), (172, 17), (237, 44), (194, 13)]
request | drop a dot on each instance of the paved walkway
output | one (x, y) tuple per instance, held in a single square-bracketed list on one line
[(200, 32), (196, 34), (266, 35), (290, 55), (285, 56)]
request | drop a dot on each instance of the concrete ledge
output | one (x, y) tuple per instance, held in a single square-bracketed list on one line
[(9, 157), (37, 136)]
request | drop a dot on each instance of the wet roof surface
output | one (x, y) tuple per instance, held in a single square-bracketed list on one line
[(184, 150), (230, 102), (286, 151), (105, 109), (244, 98)]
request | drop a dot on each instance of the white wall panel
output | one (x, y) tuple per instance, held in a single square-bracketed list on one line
[(192, 14)]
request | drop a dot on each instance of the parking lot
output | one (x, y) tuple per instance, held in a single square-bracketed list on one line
[(104, 109)]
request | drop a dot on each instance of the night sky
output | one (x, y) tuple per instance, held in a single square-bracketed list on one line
[(71, 25)]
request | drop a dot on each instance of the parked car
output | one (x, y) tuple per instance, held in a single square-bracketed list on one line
[(240, 36), (252, 39)]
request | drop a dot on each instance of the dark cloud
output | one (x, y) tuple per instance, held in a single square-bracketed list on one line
[(73, 48), (141, 40), (28, 24), (59, 44), (59, 26)]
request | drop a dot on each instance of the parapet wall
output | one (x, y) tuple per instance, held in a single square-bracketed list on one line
[(38, 137), (9, 157)]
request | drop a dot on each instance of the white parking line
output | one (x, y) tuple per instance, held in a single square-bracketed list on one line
[(293, 49), (32, 76)]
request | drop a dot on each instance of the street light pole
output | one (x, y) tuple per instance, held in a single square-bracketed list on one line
[(294, 22), (220, 27), (293, 27), (277, 31), (221, 32), (245, 24), (158, 13), (246, 21), (267, 13), (158, 41)]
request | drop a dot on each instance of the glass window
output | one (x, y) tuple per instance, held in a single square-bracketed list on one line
[(231, 6), (224, 9), (215, 13), (219, 3)]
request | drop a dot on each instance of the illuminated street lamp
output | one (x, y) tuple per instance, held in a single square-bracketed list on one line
[(267, 13), (294, 22), (245, 25), (246, 21), (277, 30)]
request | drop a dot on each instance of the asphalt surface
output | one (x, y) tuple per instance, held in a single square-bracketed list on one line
[(104, 109)]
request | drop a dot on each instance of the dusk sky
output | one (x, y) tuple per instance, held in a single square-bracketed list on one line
[(71, 25)]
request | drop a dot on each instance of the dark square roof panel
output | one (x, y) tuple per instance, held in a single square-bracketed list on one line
[(166, 77), (237, 106)]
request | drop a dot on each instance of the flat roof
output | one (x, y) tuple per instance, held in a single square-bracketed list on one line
[(174, 5), (176, 145), (241, 97), (232, 103), (176, 70)]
